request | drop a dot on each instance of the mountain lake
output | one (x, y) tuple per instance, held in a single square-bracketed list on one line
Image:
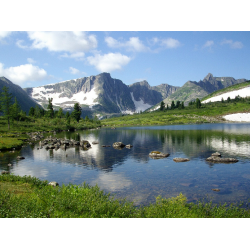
[(132, 174)]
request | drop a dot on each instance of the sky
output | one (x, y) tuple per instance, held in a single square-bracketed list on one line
[(37, 58)]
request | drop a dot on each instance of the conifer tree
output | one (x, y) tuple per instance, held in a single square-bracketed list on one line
[(76, 114), (198, 103), (6, 102), (15, 110), (162, 107), (50, 112)]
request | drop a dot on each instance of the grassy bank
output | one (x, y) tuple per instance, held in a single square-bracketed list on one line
[(30, 197), (15, 137), (210, 112)]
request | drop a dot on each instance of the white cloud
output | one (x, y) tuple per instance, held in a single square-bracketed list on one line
[(108, 62), (31, 61), (70, 41), (23, 73), (4, 34), (167, 43), (208, 44), (233, 45), (73, 43), (77, 55), (133, 44), (20, 44), (74, 71), (170, 43)]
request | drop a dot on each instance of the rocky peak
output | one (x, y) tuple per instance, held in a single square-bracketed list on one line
[(209, 77)]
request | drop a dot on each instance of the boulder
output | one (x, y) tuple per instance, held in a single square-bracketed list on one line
[(20, 157), (53, 183), (85, 144), (216, 154), (118, 145), (5, 172), (181, 159), (158, 155), (222, 160)]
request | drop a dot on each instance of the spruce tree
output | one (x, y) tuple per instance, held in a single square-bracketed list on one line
[(6, 102), (15, 110), (50, 112), (198, 103), (162, 107), (172, 105), (76, 114)]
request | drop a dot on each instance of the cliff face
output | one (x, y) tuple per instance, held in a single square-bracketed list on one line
[(101, 95)]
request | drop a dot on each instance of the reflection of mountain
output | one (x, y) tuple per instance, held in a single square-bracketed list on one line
[(179, 143)]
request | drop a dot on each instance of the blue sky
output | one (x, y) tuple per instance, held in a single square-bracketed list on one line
[(38, 58)]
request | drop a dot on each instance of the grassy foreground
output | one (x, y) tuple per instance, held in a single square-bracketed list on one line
[(29, 197)]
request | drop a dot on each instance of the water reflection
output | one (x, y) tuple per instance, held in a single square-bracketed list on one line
[(131, 173)]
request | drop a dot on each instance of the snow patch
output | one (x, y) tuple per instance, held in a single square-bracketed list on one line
[(239, 117), (245, 92), (140, 105), (80, 97)]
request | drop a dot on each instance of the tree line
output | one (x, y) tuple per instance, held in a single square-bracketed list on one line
[(12, 110)]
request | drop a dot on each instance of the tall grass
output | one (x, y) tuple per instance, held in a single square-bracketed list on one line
[(29, 197)]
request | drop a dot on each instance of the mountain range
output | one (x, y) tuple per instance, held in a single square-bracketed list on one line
[(101, 95), (192, 89), (104, 96)]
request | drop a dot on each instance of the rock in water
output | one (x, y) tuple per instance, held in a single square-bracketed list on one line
[(222, 160), (118, 145), (180, 159), (20, 157), (53, 183), (157, 155)]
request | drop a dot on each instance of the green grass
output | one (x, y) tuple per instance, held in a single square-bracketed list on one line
[(210, 112), (15, 137), (29, 197)]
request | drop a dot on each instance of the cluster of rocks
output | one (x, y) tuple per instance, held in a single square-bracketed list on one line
[(56, 143), (120, 145), (216, 157)]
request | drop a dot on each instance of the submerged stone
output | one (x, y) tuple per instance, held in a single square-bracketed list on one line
[(181, 159), (222, 160)]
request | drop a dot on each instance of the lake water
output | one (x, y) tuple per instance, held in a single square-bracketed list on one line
[(131, 173)]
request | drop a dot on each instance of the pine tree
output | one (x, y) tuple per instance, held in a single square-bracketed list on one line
[(182, 105), (198, 103), (31, 111), (50, 112), (162, 107), (15, 110), (172, 105), (60, 113), (76, 114), (6, 102)]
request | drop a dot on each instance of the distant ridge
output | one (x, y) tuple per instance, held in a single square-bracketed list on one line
[(22, 97)]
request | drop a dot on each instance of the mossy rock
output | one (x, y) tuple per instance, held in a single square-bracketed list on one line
[(157, 155), (155, 152)]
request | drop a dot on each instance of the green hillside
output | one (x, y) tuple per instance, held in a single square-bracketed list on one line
[(226, 90)]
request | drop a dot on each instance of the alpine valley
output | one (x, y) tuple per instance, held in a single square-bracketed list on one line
[(104, 96)]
